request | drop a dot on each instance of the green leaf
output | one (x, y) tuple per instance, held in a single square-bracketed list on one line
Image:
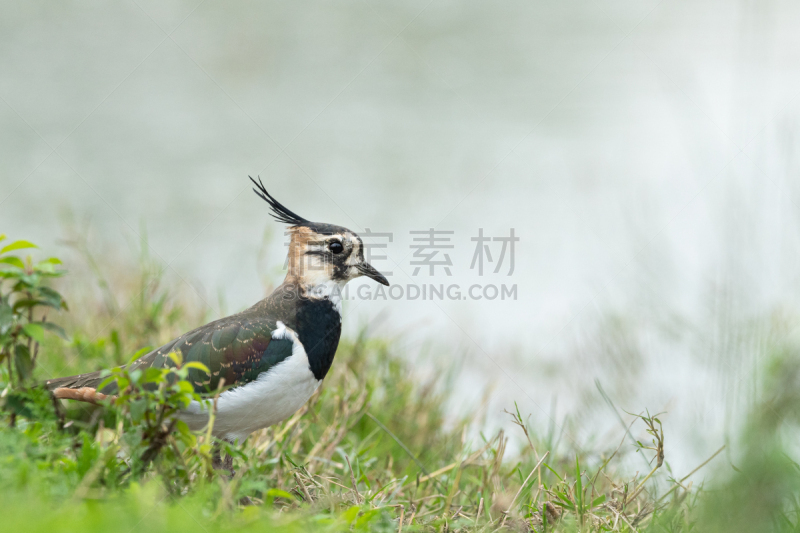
[(26, 281), (278, 493), (565, 505), (134, 375), (6, 315), (153, 375), (106, 382), (138, 408), (553, 471), (597, 501), (17, 245), (45, 268), (51, 297), (26, 303), (198, 365), (177, 358), (22, 361), (13, 261), (182, 427), (139, 353), (34, 330), (54, 328), (563, 496), (367, 517), (349, 515), (19, 404), (185, 434), (122, 383)]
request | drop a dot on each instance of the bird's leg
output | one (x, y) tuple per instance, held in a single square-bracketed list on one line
[(226, 463), (220, 463)]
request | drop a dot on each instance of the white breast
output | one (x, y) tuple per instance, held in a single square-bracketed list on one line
[(274, 396)]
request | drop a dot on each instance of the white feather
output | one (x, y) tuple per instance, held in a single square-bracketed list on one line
[(274, 396), (331, 290)]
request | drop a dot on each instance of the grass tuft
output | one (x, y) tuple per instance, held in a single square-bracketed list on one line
[(374, 449)]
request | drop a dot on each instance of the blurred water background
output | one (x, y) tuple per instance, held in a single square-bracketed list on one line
[(645, 153)]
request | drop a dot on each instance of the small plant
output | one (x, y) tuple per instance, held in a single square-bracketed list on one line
[(146, 405), (25, 299)]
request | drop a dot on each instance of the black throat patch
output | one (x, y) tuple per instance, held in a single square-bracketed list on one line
[(318, 326)]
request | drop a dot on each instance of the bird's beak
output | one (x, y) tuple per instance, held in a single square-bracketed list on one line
[(365, 269)]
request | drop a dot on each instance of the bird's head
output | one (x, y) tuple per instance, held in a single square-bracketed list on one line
[(320, 254)]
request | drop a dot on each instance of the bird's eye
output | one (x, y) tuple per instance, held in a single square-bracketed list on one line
[(336, 247)]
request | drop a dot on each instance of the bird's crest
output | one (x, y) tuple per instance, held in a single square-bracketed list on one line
[(278, 210)]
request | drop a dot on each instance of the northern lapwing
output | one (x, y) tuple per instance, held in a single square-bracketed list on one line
[(275, 354)]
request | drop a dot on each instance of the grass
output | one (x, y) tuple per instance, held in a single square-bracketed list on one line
[(375, 449)]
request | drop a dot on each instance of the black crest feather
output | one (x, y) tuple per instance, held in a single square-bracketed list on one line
[(279, 212)]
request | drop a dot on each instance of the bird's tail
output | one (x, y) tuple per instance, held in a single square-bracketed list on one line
[(82, 387)]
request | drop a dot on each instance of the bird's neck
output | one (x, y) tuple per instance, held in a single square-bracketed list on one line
[(310, 275), (294, 293), (326, 290)]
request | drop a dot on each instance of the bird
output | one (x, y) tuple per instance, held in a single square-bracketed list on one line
[(272, 356)]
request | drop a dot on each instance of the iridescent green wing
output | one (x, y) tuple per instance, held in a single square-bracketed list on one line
[(237, 348)]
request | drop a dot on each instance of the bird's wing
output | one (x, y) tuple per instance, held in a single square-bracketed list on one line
[(237, 348)]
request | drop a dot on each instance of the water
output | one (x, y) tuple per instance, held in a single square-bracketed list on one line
[(644, 153)]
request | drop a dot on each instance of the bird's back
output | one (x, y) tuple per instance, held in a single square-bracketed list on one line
[(239, 347)]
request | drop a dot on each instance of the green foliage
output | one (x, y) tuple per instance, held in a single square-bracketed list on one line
[(25, 299), (374, 446), (762, 490), (146, 428)]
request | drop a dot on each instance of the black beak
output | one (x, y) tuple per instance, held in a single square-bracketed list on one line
[(368, 270)]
